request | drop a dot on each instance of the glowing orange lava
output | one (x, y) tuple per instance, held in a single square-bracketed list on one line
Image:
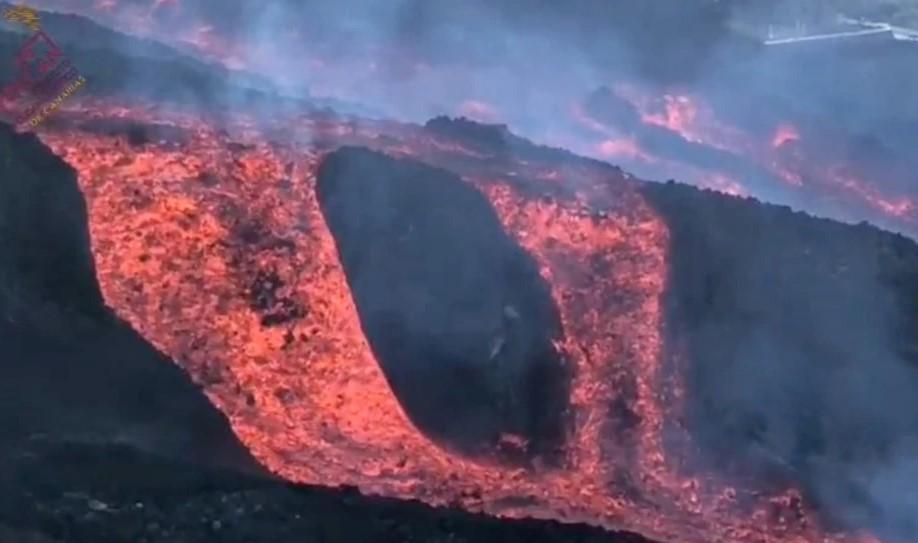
[(678, 115), (824, 178), (179, 234)]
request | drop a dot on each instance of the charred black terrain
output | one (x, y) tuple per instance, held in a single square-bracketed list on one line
[(79, 493), (455, 311), (801, 337), (70, 368)]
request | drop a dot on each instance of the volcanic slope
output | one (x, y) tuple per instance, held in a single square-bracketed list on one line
[(104, 439), (209, 238)]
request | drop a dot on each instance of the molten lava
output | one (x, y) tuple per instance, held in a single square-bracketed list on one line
[(215, 249), (827, 183)]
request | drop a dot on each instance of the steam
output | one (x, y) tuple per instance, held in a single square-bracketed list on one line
[(528, 65)]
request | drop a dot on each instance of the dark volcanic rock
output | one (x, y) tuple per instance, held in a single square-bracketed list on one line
[(70, 369), (454, 310), (109, 494), (44, 234), (802, 337)]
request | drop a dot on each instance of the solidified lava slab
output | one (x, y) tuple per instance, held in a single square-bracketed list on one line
[(105, 493), (804, 354), (454, 310), (70, 370)]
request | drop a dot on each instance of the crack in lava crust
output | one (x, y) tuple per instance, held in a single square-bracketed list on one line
[(217, 252)]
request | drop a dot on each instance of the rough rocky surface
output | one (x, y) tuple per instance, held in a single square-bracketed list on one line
[(57, 493), (802, 337), (70, 368), (102, 438), (454, 309)]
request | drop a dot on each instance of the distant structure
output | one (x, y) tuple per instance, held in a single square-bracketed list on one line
[(846, 30)]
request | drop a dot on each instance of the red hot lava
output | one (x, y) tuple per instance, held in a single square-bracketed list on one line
[(830, 185), (182, 234)]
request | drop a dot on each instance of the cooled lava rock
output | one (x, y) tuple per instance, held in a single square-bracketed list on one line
[(803, 339), (70, 369), (455, 311), (79, 493)]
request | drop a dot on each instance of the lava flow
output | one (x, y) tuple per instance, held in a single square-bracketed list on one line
[(680, 136), (209, 240)]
